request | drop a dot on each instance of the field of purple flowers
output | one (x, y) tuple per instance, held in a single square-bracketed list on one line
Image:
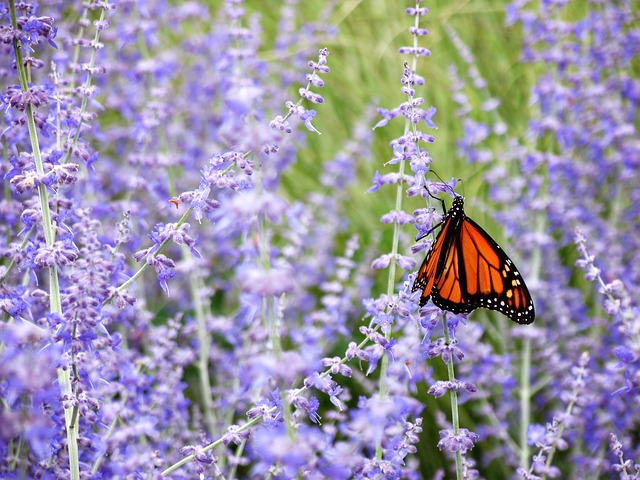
[(208, 238)]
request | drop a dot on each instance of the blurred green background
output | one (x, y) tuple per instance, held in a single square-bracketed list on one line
[(365, 72)]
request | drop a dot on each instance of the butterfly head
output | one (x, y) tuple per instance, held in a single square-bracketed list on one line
[(457, 207)]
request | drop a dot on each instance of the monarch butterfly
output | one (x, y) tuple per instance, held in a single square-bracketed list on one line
[(466, 269)]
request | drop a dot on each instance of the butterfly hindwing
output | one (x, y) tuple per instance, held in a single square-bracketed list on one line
[(466, 269), (447, 292), (427, 274), (491, 279)]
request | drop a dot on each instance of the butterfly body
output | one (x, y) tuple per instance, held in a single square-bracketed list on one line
[(466, 269)]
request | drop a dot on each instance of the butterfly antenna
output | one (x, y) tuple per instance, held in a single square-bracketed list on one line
[(436, 174), (443, 183)]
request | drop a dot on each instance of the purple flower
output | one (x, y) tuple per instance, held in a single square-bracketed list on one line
[(382, 261), (535, 434), (36, 27), (464, 440), (401, 218), (310, 406), (337, 366), (386, 116), (353, 351), (323, 383), (233, 435), (440, 348), (35, 96), (624, 355), (60, 253), (439, 388), (333, 396), (305, 93)]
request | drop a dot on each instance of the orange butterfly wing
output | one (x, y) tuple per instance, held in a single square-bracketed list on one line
[(466, 269), (490, 278), (448, 292), (427, 273)]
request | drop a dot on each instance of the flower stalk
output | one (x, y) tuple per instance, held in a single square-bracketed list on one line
[(455, 415), (409, 126), (55, 305)]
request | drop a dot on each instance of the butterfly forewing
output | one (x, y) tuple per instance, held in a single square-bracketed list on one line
[(427, 274), (466, 269), (447, 292), (491, 278)]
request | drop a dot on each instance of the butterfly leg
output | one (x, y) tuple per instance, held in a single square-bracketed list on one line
[(444, 212), (444, 209)]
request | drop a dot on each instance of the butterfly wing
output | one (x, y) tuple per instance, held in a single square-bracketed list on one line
[(448, 292), (487, 276), (427, 273), (466, 269)]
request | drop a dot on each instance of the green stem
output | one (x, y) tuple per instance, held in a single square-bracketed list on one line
[(525, 401), (384, 364), (108, 433), (196, 287), (395, 243), (268, 311), (55, 306), (269, 314), (76, 51), (496, 422), (567, 413), (391, 281), (87, 84), (238, 455), (525, 366), (455, 417), (7, 188)]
